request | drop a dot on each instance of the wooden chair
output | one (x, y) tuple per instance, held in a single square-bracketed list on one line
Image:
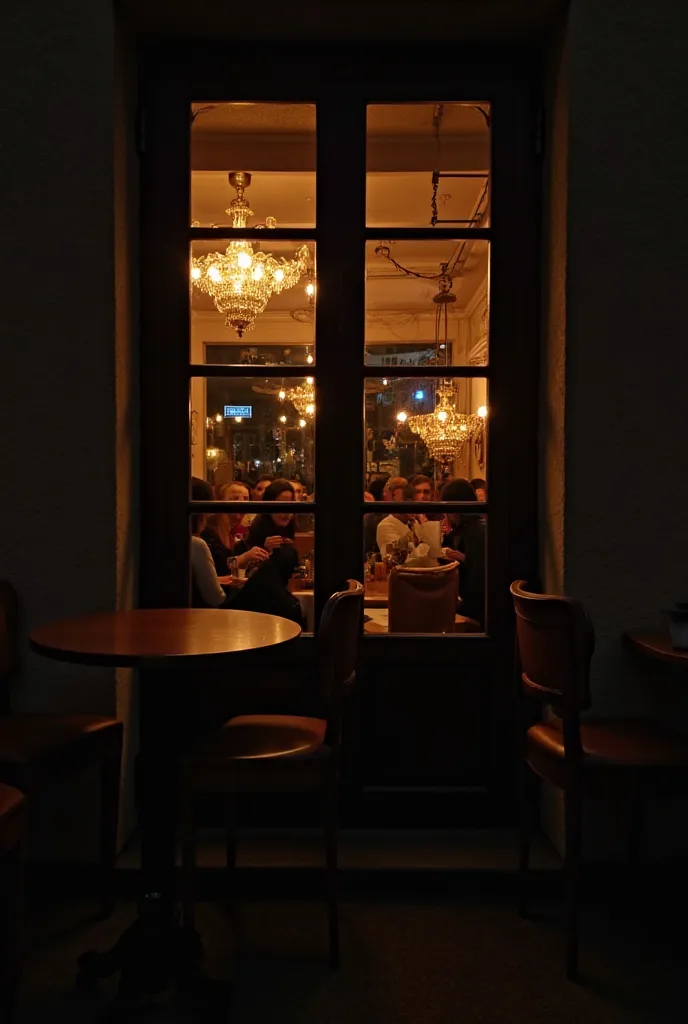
[(281, 753), (35, 749), (581, 756), (12, 827), (423, 600)]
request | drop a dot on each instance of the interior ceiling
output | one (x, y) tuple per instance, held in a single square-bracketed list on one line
[(395, 198)]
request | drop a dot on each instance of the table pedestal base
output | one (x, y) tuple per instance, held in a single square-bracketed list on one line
[(156, 957)]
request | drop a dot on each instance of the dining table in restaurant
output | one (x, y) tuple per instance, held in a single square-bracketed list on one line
[(153, 951), (657, 644)]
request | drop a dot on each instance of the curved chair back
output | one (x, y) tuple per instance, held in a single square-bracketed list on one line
[(555, 643), (338, 638), (423, 600)]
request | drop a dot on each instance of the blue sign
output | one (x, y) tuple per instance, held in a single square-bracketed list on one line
[(420, 395), (245, 412)]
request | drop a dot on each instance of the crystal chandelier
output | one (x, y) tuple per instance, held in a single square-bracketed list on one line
[(302, 397), (445, 431), (242, 280)]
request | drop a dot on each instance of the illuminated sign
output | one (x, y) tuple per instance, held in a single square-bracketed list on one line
[(244, 412)]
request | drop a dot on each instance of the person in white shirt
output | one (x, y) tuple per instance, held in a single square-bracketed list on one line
[(394, 527)]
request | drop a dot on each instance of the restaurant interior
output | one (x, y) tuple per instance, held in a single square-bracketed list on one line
[(318, 735)]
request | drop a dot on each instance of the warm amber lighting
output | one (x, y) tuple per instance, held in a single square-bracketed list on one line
[(402, 417), (283, 419), (310, 289), (309, 358), (385, 382), (310, 409), (282, 395), (302, 423), (218, 418), (237, 419), (482, 412)]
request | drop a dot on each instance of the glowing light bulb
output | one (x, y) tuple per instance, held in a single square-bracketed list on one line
[(442, 415), (195, 273), (310, 409), (309, 358), (218, 418), (310, 289), (402, 417), (283, 419), (244, 260), (463, 428), (282, 395), (385, 382), (482, 412), (309, 380), (257, 273), (237, 287), (214, 273), (302, 423), (237, 419), (278, 275)]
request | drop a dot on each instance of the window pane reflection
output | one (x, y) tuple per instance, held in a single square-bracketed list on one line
[(425, 574), (435, 428)]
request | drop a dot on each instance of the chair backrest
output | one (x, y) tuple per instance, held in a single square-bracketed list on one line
[(9, 631), (423, 600), (555, 643), (338, 637)]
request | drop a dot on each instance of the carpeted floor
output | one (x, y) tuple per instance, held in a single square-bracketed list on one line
[(440, 958)]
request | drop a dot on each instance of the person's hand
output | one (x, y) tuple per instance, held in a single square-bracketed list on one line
[(453, 556), (287, 540), (271, 543), (254, 556)]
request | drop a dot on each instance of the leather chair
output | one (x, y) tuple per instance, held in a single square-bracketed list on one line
[(423, 600), (583, 757), (12, 827), (36, 749), (281, 753)]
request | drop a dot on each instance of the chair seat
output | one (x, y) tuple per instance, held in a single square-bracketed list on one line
[(260, 753), (626, 743), (12, 803), (35, 745)]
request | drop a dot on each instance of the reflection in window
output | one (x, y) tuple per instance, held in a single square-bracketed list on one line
[(433, 427), (253, 427)]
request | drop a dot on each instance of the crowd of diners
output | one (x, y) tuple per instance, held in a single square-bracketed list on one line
[(227, 546), (463, 534)]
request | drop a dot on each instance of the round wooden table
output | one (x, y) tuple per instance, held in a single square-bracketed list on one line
[(153, 951), (655, 644)]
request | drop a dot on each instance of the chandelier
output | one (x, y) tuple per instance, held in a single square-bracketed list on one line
[(302, 397), (445, 431), (242, 280)]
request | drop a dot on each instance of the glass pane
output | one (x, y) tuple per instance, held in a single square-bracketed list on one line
[(435, 428), (272, 145), (427, 303), (428, 163), (262, 563), (249, 428), (425, 574), (253, 302)]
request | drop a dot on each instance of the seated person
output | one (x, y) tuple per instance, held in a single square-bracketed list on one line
[(422, 487), (224, 530), (257, 494), (465, 544), (206, 591), (267, 589), (303, 523), (395, 527), (480, 488)]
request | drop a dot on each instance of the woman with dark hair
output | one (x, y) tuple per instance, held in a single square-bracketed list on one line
[(223, 531), (465, 544), (266, 590)]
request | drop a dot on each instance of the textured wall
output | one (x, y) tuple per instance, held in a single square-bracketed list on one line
[(57, 458), (626, 553)]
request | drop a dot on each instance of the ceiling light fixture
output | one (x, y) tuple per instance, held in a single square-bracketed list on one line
[(242, 280)]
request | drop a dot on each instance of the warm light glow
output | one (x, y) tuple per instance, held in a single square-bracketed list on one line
[(218, 418), (402, 417), (310, 409), (278, 275), (310, 289), (385, 382), (283, 419), (214, 274), (244, 260), (302, 423), (482, 412), (309, 380), (257, 273), (442, 415), (282, 395), (237, 419), (212, 453), (463, 428), (309, 358), (195, 273), (237, 287)]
